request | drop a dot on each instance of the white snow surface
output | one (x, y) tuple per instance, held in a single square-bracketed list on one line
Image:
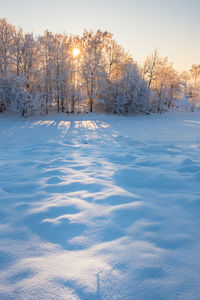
[(100, 207)]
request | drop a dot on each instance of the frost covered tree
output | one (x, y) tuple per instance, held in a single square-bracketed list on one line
[(115, 58), (74, 83), (61, 71), (166, 86), (16, 62), (6, 47), (16, 98), (163, 81), (109, 75), (46, 47), (93, 68), (128, 93), (191, 84), (149, 69), (55, 71)]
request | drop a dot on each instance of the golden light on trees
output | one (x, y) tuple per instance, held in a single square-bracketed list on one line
[(76, 52)]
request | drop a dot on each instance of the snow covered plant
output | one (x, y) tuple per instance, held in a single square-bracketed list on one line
[(128, 93), (193, 87), (12, 94), (163, 80), (16, 98)]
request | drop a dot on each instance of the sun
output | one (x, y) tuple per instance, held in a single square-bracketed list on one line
[(76, 52)]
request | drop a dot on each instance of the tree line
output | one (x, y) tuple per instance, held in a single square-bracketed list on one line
[(73, 74)]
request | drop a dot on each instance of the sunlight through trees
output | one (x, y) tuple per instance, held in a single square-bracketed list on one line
[(56, 72)]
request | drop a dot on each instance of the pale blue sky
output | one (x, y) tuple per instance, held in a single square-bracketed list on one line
[(138, 25)]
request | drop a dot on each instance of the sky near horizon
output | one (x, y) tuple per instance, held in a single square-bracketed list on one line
[(140, 26)]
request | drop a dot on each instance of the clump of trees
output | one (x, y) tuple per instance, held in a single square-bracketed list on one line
[(57, 72), (191, 86), (168, 86), (163, 80), (40, 75)]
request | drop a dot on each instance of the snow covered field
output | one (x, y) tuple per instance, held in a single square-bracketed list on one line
[(100, 207)]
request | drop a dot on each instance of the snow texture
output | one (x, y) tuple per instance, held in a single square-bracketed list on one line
[(100, 207)]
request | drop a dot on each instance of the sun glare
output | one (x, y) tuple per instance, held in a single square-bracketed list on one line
[(76, 52)]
